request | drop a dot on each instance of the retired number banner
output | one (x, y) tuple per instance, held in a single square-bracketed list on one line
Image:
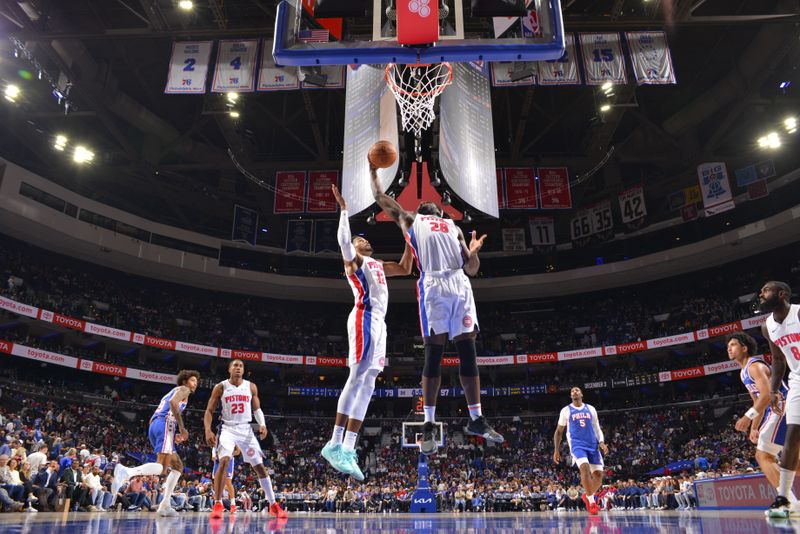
[(716, 188), (290, 194), (631, 204), (520, 188), (320, 196), (188, 67), (236, 66), (554, 188), (563, 71), (274, 78), (581, 225), (333, 76), (602, 58), (602, 219), (651, 58), (543, 231), (502, 72)]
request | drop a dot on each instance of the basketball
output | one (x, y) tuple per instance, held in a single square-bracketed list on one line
[(382, 154)]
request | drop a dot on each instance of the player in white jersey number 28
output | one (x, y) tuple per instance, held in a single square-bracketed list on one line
[(446, 305), (366, 332), (782, 329), (240, 405)]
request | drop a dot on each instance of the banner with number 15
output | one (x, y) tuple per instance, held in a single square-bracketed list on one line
[(236, 66), (189, 67)]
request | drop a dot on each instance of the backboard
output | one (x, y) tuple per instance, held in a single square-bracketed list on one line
[(412, 435), (292, 47)]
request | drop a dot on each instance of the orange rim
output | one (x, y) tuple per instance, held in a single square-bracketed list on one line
[(435, 91)]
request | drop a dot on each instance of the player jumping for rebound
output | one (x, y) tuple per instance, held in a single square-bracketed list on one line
[(782, 329), (366, 332), (585, 440), (240, 405), (446, 305), (766, 427), (166, 419)]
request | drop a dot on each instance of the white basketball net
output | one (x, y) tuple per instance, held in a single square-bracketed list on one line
[(415, 87)]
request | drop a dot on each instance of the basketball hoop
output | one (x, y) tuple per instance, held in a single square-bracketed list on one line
[(415, 87)]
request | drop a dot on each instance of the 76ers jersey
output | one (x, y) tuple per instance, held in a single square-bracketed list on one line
[(369, 289), (786, 336), (750, 384), (163, 406), (435, 244), (580, 423), (236, 403)]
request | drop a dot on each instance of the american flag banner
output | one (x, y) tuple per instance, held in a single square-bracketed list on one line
[(313, 36)]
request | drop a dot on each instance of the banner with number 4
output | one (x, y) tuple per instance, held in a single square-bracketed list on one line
[(631, 204), (236, 66), (188, 67)]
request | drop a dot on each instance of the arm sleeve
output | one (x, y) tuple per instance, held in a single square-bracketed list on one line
[(343, 234), (596, 424), (563, 417)]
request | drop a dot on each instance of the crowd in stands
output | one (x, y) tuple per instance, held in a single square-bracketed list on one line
[(171, 311), (53, 446)]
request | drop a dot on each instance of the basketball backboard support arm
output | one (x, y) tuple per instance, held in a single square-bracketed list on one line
[(289, 50)]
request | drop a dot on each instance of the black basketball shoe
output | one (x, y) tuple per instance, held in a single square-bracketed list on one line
[(779, 508), (428, 444), (479, 427)]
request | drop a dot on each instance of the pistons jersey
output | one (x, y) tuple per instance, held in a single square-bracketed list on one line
[(435, 244), (163, 407), (371, 295), (236, 403), (786, 336), (750, 384)]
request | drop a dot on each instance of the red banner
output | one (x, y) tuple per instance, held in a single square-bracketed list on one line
[(554, 188), (290, 194), (327, 361), (683, 374), (6, 347), (69, 322), (450, 361), (520, 188), (246, 355), (108, 369), (542, 357), (320, 196), (724, 329), (636, 346), (501, 197), (159, 343)]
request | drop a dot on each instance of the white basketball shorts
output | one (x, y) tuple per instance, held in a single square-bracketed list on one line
[(366, 334), (243, 436), (792, 408), (446, 304)]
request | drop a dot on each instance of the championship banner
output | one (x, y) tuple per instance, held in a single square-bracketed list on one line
[(716, 189), (554, 188), (236, 66), (757, 190), (298, 235), (320, 195), (245, 225), (332, 77), (274, 78), (503, 73), (651, 58), (562, 71), (602, 58), (188, 67), (290, 191), (513, 240), (631, 204), (501, 197), (520, 188), (543, 231)]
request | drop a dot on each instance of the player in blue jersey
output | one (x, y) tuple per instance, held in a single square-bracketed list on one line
[(586, 441), (766, 427), (166, 429)]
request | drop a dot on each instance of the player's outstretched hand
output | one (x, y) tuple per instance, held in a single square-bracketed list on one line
[(211, 439), (743, 423), (338, 196), (182, 436), (556, 457), (754, 436), (476, 244), (776, 401), (262, 432), (604, 448)]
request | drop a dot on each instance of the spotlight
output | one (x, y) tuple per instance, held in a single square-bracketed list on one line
[(607, 86), (605, 107), (233, 97), (12, 92), (82, 155), (784, 85), (446, 198), (773, 141), (467, 217), (402, 182), (186, 5), (371, 220), (435, 181), (234, 114), (791, 124)]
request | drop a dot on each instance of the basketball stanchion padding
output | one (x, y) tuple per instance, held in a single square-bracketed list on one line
[(417, 22)]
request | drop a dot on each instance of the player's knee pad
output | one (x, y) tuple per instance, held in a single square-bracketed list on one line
[(433, 361), (468, 357)]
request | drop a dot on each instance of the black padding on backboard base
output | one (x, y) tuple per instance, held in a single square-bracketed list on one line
[(340, 8)]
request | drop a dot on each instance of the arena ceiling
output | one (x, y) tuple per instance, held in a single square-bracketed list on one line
[(165, 157)]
